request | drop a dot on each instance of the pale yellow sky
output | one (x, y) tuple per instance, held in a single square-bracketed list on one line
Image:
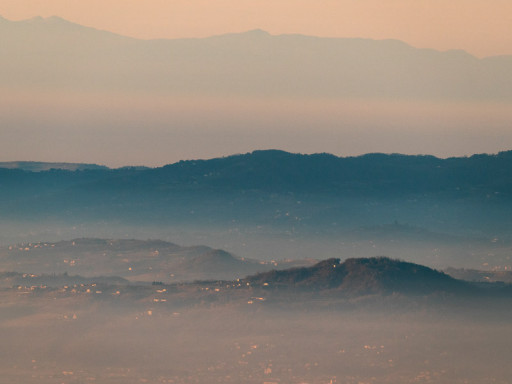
[(481, 27)]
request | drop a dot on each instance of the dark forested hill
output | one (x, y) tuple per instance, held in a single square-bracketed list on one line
[(362, 276), (276, 188)]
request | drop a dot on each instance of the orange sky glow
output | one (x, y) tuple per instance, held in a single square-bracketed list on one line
[(481, 27)]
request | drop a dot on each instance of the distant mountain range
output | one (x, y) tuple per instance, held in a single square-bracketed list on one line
[(54, 54), (319, 192)]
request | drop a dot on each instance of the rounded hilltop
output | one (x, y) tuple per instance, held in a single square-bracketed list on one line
[(362, 276)]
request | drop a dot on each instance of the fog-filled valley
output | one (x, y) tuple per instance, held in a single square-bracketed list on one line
[(158, 335), (232, 345), (255, 207), (266, 267), (362, 320)]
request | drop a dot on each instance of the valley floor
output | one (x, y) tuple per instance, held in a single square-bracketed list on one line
[(58, 336)]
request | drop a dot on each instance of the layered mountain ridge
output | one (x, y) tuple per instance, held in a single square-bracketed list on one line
[(276, 188)]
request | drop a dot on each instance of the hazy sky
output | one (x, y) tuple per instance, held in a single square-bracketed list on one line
[(118, 131), (131, 129), (482, 27)]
